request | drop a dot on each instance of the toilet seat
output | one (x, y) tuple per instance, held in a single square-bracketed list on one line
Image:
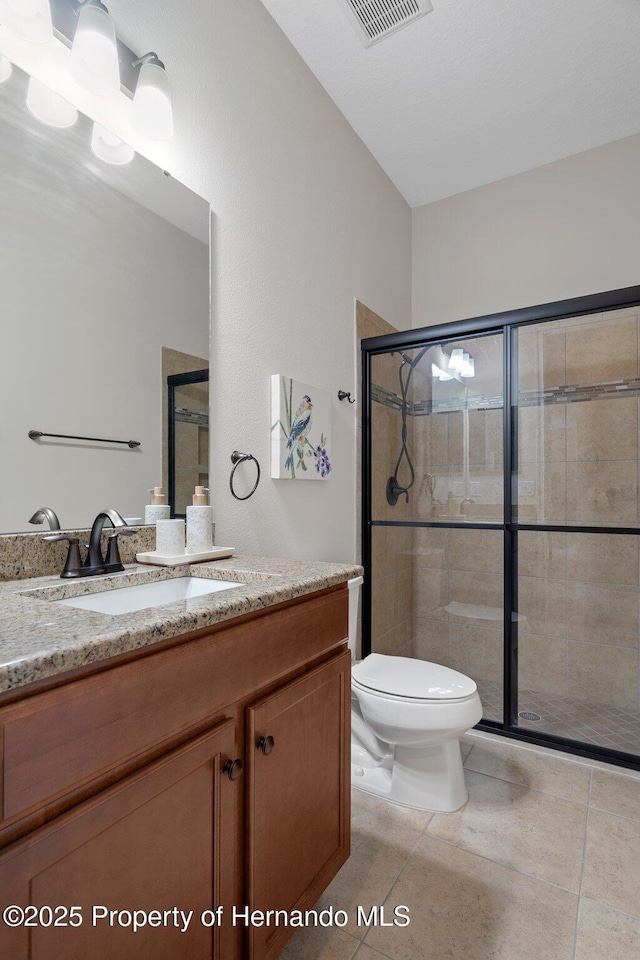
[(410, 679)]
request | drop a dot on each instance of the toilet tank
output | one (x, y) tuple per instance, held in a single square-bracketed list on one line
[(354, 595)]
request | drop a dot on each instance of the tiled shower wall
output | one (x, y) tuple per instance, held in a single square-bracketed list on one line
[(578, 463)]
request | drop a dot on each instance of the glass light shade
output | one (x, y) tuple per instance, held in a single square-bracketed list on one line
[(441, 375), (5, 69), (29, 20), (469, 368), (110, 148), (48, 106), (151, 113), (457, 359), (94, 54)]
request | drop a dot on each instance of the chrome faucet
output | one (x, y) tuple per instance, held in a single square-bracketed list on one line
[(95, 563), (46, 513)]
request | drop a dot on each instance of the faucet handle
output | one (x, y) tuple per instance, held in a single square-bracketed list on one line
[(73, 562), (113, 553)]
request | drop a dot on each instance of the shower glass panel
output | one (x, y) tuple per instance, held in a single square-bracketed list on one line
[(437, 481), (576, 397), (503, 540)]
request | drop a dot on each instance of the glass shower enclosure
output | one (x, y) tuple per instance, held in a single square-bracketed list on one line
[(502, 538)]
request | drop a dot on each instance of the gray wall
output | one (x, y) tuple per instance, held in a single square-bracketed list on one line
[(562, 230)]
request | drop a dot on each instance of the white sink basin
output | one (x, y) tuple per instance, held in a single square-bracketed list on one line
[(143, 595)]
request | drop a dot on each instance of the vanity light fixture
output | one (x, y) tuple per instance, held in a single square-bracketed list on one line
[(152, 113), (460, 362), (28, 20), (6, 69), (48, 106), (110, 148), (94, 53)]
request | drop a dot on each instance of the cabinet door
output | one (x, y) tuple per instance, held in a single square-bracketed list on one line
[(298, 809), (162, 838)]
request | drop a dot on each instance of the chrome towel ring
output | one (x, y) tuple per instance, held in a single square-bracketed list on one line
[(236, 459)]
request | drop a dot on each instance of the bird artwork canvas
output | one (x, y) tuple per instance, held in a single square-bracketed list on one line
[(300, 430)]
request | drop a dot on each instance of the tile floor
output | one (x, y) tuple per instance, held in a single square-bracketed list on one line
[(542, 863), (567, 717)]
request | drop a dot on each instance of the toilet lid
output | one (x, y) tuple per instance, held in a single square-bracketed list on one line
[(418, 679)]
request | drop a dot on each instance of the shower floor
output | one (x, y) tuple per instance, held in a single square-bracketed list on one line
[(566, 717)]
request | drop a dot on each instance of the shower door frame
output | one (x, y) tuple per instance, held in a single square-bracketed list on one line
[(507, 324)]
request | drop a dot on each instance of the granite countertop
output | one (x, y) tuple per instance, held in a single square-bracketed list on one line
[(39, 639)]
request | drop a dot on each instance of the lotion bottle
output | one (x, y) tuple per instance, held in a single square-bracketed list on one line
[(158, 509), (199, 523)]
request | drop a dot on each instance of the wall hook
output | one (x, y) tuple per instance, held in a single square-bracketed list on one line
[(343, 395)]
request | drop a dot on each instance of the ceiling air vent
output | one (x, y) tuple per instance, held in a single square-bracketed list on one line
[(376, 19)]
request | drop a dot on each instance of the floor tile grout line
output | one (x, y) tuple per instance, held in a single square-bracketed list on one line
[(618, 816), (362, 944), (607, 906), (499, 863), (400, 872), (584, 858), (527, 786)]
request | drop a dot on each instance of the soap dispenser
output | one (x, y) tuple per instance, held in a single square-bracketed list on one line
[(199, 523), (158, 509)]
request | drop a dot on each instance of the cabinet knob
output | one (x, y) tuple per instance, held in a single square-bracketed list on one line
[(266, 744), (233, 769)]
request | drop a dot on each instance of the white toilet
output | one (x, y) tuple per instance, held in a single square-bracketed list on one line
[(406, 720)]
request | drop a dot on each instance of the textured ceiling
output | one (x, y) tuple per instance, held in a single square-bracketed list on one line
[(478, 90)]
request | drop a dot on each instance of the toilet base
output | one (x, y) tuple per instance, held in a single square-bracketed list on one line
[(428, 778)]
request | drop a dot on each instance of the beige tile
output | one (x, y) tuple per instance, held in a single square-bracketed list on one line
[(430, 547), (615, 793), (484, 589), (532, 832), (602, 558), (603, 674), (464, 907), (518, 764), (601, 352), (403, 597), (541, 357), (399, 548), (431, 641), (542, 663), (383, 834), (542, 554), (430, 438), (476, 651), (604, 933), (430, 594), (541, 604), (466, 746), (371, 815), (485, 437), (320, 943), (603, 613), (548, 501), (603, 491), (541, 433), (477, 550), (603, 430), (612, 862)]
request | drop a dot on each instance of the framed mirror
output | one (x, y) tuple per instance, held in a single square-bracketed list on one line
[(104, 280)]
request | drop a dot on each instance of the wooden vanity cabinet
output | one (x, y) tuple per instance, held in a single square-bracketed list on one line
[(219, 776), (298, 795)]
